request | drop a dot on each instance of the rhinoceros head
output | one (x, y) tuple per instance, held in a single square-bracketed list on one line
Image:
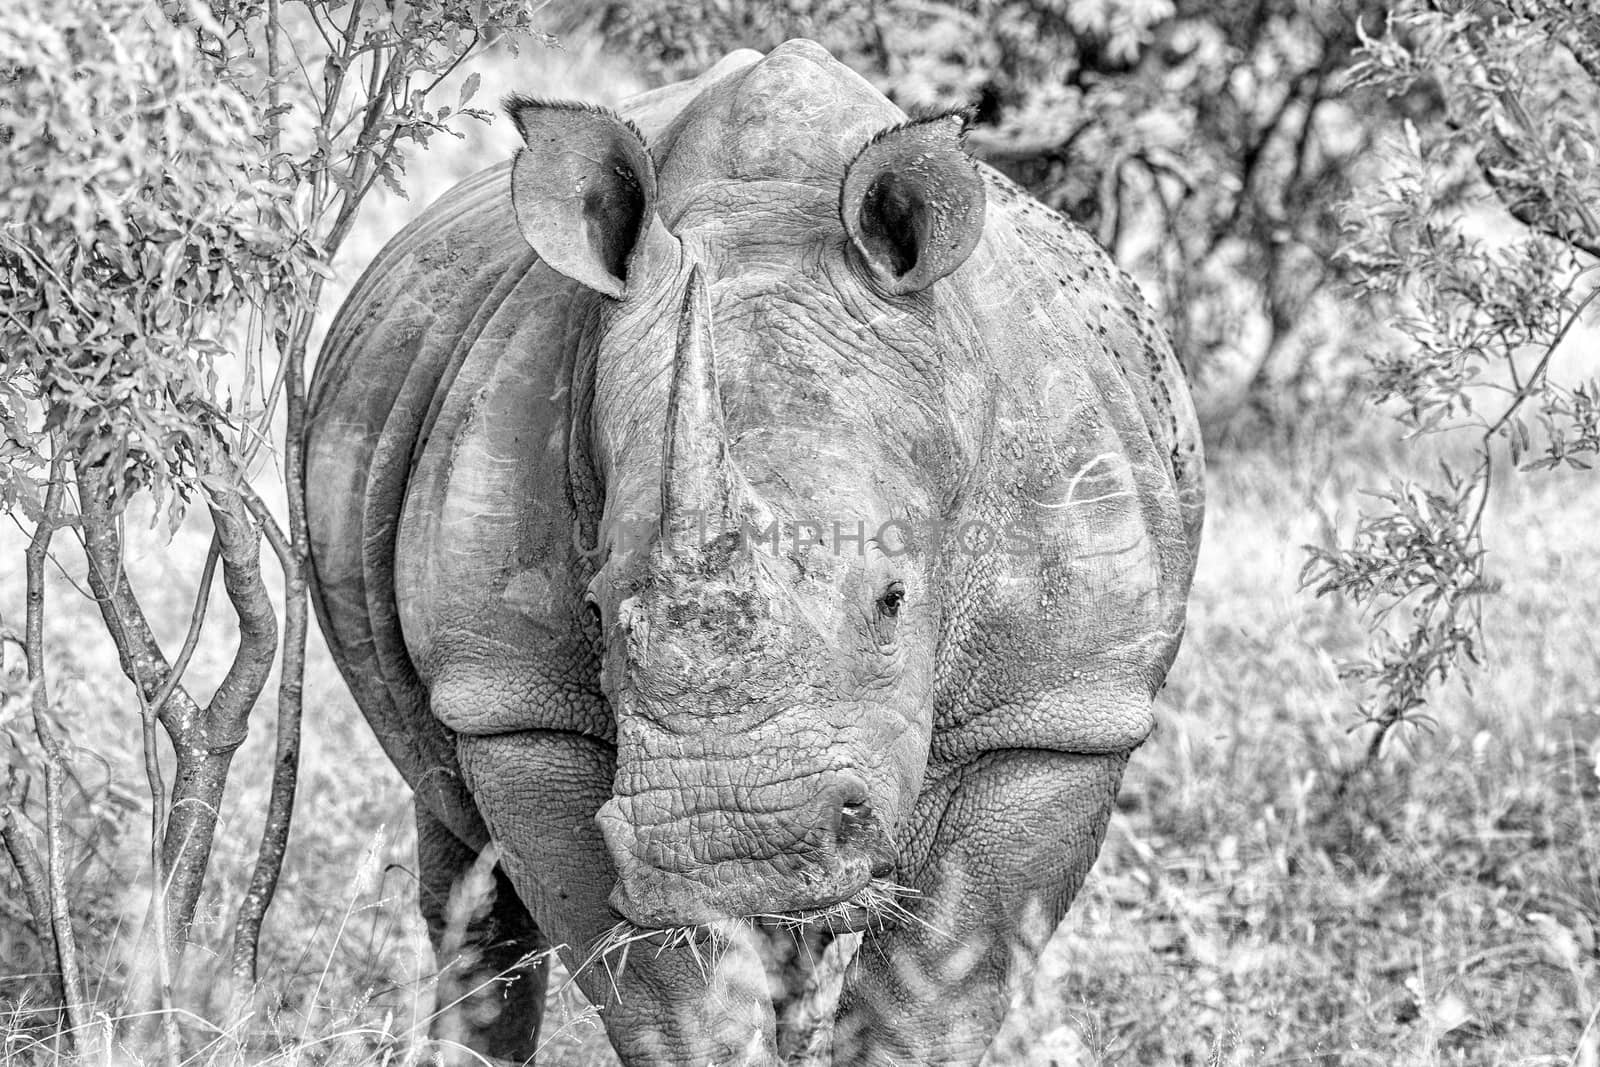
[(783, 420)]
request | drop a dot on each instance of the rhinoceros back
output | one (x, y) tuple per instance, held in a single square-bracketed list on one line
[(389, 358)]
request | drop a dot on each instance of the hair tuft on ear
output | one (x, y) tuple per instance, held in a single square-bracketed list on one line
[(959, 117), (514, 104)]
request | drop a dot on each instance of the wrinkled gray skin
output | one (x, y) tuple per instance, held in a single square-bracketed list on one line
[(531, 405)]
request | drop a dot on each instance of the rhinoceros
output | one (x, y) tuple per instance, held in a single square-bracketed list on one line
[(747, 518)]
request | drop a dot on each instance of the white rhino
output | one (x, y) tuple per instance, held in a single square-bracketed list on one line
[(756, 520)]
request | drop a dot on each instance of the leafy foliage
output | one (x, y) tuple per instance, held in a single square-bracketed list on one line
[(168, 192), (175, 178), (1481, 238), (143, 224)]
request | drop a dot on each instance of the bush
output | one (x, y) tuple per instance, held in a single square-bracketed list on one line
[(1481, 241), (176, 177)]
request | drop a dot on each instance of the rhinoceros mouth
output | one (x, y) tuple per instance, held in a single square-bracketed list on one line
[(878, 906)]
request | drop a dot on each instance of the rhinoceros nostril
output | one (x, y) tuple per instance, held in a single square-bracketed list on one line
[(854, 811), (853, 818), (841, 807)]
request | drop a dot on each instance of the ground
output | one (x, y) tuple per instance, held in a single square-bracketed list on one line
[(1261, 898)]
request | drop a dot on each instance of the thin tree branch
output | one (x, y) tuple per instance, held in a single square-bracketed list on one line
[(197, 619), (240, 541), (277, 540), (31, 873), (1587, 241), (1535, 376), (139, 654), (1523, 212), (291, 556), (334, 87), (66, 944), (1254, 152), (122, 616), (156, 784)]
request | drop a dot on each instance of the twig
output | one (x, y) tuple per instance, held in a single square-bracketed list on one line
[(1587, 241), (197, 618), (291, 677), (66, 944), (30, 872), (347, 53), (277, 540), (1534, 378), (157, 787)]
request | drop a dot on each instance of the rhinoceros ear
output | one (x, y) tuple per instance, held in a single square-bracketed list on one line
[(583, 189), (912, 203)]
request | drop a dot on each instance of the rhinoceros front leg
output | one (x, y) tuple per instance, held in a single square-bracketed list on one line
[(492, 969), (998, 849), (538, 792)]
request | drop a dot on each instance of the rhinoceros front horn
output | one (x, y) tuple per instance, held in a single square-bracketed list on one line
[(694, 463)]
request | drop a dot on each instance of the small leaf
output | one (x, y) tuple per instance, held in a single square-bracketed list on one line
[(1449, 1013), (469, 88), (1413, 139)]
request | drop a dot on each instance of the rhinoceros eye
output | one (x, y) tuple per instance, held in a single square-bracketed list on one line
[(889, 603)]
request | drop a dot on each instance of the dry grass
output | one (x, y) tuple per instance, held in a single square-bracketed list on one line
[(878, 906), (1259, 902), (1256, 902)]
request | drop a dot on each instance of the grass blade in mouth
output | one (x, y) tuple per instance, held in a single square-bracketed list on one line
[(880, 900), (704, 943)]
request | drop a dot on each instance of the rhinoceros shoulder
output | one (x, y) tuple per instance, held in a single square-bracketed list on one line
[(1117, 312)]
